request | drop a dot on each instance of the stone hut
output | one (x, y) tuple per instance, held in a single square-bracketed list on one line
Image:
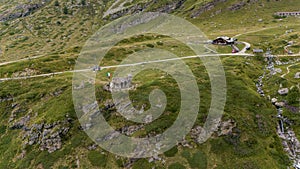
[(287, 13), (119, 83)]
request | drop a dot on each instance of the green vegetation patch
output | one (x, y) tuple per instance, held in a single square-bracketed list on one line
[(97, 159)]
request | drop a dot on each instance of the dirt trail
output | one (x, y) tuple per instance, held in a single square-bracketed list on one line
[(288, 70), (126, 65)]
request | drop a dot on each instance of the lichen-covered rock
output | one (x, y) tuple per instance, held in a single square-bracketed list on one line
[(226, 127), (21, 123), (47, 136), (129, 130), (207, 7), (21, 10)]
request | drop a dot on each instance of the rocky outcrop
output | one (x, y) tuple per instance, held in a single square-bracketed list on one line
[(21, 123), (57, 93), (16, 109), (129, 130), (292, 108), (171, 7), (211, 5), (47, 136), (259, 86), (240, 5), (25, 72), (297, 75), (92, 147), (195, 132), (207, 7), (237, 6), (21, 10), (121, 83), (168, 8), (131, 10), (291, 145), (290, 142), (5, 99), (226, 127)]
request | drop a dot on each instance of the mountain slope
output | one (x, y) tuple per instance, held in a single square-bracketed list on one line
[(38, 124)]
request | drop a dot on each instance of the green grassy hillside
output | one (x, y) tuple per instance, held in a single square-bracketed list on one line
[(38, 123)]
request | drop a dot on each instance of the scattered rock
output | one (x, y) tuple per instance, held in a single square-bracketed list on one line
[(47, 136), (121, 83), (113, 134), (106, 87), (291, 145), (185, 143), (109, 104), (129, 130), (171, 6), (292, 108), (130, 162), (22, 155), (226, 127), (81, 86), (278, 70), (94, 115), (48, 126), (195, 132), (131, 10), (21, 123), (51, 144), (21, 10), (279, 104), (87, 126), (16, 110), (237, 6), (274, 100), (89, 108), (148, 119), (259, 86), (5, 99), (297, 75), (25, 72), (92, 147), (57, 93), (207, 7)]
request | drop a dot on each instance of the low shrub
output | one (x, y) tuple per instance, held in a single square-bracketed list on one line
[(176, 166), (97, 159)]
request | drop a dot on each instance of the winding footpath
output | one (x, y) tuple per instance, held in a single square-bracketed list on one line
[(20, 60), (214, 53), (288, 70), (254, 31), (43, 75), (126, 65), (290, 142)]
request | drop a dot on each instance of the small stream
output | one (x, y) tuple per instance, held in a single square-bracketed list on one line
[(289, 140)]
